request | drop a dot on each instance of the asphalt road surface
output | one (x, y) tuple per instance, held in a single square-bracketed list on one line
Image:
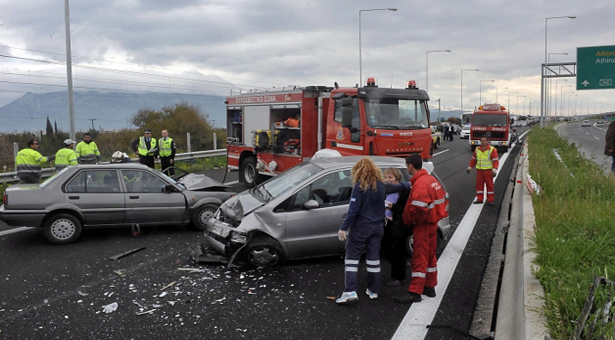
[(51, 291), (589, 140)]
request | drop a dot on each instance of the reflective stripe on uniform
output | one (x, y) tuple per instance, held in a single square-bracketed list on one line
[(372, 262), (440, 201), (483, 160), (432, 270), (419, 204), (423, 275), (352, 269), (347, 261), (373, 270)]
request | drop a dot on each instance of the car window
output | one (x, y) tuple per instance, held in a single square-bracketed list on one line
[(141, 181), (94, 181), (329, 190)]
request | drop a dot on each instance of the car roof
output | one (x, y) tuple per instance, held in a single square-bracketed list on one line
[(111, 165), (330, 162)]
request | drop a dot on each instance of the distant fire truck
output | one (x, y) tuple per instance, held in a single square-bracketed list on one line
[(270, 132), (493, 121)]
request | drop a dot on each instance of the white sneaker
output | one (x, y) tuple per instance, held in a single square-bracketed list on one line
[(372, 296), (347, 297)]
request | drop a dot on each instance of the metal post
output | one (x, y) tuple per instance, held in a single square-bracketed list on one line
[(542, 85), (15, 152), (215, 142), (69, 72), (188, 141), (360, 57)]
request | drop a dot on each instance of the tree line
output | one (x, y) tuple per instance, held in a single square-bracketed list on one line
[(178, 119)]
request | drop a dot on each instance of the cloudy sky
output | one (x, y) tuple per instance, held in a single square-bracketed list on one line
[(215, 46)]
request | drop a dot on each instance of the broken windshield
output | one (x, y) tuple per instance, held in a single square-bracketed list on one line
[(396, 114)]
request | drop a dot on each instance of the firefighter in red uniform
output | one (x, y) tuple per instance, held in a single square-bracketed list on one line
[(486, 160), (426, 206)]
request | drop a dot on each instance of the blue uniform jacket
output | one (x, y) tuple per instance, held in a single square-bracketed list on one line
[(366, 207)]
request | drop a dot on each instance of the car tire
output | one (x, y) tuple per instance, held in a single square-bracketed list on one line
[(202, 214), (264, 252), (410, 243), (63, 229), (247, 173)]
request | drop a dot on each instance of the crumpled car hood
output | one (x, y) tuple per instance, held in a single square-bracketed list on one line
[(201, 182), (238, 206)]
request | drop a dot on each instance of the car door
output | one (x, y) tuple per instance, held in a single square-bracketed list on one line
[(97, 194), (314, 231), (148, 201)]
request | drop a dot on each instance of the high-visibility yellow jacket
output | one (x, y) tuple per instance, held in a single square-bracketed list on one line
[(486, 159), (29, 162), (64, 158), (143, 151), (87, 153), (167, 147)]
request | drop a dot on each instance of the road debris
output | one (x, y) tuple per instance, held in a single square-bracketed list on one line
[(132, 251), (331, 298), (169, 285), (120, 272), (146, 312), (110, 308), (163, 294), (219, 300)]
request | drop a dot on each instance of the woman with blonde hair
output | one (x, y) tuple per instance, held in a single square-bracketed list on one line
[(363, 227)]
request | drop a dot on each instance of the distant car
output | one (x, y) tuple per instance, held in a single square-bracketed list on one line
[(465, 133), (111, 195), (296, 214), (436, 137), (600, 122), (586, 123)]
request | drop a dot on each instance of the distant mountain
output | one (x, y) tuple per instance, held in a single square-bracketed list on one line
[(110, 110)]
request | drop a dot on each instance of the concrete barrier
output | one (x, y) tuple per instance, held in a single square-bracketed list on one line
[(520, 309)]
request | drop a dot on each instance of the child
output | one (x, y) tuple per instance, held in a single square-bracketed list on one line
[(395, 232)]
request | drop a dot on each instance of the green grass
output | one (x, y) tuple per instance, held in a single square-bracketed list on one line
[(201, 164), (575, 234)]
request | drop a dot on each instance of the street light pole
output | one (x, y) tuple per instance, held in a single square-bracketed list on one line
[(555, 110), (548, 111), (508, 107), (561, 103), (427, 67), (69, 72), (543, 94), (480, 96), (360, 58), (517, 105), (467, 69), (496, 93)]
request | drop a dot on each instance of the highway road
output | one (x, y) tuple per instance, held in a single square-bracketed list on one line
[(50, 291), (589, 140)]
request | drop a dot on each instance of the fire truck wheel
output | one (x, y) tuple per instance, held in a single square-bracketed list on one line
[(248, 172)]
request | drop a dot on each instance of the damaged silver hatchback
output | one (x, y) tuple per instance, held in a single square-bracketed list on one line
[(294, 215)]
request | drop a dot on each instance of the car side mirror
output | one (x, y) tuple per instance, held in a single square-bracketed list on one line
[(170, 188), (311, 204)]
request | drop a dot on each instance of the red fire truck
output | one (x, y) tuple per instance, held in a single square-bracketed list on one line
[(270, 132), (493, 121)]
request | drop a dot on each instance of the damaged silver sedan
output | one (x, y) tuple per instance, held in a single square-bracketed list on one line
[(294, 215), (111, 195)]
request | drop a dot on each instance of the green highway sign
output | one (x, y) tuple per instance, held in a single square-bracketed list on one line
[(596, 68)]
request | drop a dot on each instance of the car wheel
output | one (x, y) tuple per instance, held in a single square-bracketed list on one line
[(202, 215), (248, 172), (264, 252), (410, 245), (62, 229)]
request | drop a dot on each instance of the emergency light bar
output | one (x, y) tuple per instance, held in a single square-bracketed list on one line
[(491, 107), (371, 82), (411, 84)]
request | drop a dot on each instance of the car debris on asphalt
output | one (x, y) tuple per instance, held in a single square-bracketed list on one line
[(110, 308), (131, 251)]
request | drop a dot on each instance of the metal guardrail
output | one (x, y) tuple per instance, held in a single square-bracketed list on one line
[(47, 172)]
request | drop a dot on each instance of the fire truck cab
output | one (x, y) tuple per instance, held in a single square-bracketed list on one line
[(493, 121), (270, 132)]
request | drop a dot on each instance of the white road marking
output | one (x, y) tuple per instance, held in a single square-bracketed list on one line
[(441, 152), (597, 138), (587, 133), (419, 315), (16, 230)]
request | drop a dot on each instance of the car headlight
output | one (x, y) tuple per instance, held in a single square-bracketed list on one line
[(238, 237)]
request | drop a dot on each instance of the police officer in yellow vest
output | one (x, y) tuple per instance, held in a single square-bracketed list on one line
[(29, 162), (87, 151), (167, 153), (147, 148), (66, 156)]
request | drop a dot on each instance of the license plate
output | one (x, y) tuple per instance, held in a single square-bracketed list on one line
[(217, 231)]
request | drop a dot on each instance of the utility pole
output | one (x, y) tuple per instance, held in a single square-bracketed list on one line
[(92, 119)]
